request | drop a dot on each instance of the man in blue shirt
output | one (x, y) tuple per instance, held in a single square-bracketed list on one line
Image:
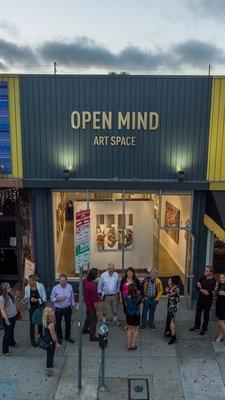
[(63, 299)]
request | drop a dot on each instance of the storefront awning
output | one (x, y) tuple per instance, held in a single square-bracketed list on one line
[(214, 217)]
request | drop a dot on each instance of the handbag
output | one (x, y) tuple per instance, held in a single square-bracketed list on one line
[(37, 316), (41, 342)]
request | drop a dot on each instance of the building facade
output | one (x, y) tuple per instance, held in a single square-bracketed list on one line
[(137, 151)]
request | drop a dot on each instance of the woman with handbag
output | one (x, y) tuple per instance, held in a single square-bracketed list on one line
[(50, 338), (35, 295), (8, 315)]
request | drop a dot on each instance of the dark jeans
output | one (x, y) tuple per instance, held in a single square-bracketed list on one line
[(50, 355), (8, 338), (67, 314), (32, 327), (90, 322), (149, 307), (203, 305)]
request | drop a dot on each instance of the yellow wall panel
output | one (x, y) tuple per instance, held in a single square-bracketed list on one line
[(216, 155), (15, 125)]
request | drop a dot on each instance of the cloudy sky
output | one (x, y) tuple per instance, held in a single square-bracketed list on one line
[(99, 36)]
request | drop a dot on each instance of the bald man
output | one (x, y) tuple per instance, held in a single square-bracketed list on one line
[(108, 289)]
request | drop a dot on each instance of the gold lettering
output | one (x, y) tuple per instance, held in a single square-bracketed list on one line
[(86, 117), (142, 120), (107, 120), (133, 119), (96, 120), (95, 141), (153, 121), (113, 140), (75, 120), (123, 120)]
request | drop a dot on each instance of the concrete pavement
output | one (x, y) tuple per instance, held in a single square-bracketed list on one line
[(192, 369)]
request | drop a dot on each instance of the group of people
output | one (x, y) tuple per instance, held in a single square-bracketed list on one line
[(103, 294), (110, 291), (48, 319)]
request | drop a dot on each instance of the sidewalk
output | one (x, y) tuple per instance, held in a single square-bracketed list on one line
[(192, 369)]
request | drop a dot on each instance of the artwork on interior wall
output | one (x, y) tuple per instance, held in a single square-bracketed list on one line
[(172, 218), (156, 206), (110, 234)]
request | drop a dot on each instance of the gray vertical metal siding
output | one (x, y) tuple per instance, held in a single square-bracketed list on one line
[(183, 105)]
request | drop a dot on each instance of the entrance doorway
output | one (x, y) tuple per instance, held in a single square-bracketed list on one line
[(129, 229)]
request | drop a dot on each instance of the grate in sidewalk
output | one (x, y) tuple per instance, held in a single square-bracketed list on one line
[(138, 389)]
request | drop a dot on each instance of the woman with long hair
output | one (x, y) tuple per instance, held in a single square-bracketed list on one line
[(128, 279), (8, 312), (50, 337), (35, 296), (220, 306), (173, 295), (132, 306)]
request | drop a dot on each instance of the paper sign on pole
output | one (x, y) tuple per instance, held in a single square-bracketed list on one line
[(82, 239)]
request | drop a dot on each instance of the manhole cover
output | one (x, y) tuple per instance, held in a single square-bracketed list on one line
[(138, 389)]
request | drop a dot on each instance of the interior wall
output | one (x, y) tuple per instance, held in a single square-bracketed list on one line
[(142, 253), (177, 251)]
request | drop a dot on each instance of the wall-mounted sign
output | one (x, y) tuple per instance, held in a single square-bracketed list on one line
[(5, 150), (82, 239), (105, 120)]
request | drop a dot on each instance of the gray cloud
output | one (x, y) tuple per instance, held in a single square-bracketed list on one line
[(8, 27), (86, 53), (208, 8), (13, 53), (198, 53)]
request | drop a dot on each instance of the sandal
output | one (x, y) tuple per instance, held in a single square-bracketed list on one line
[(129, 348), (16, 345), (133, 348), (8, 354)]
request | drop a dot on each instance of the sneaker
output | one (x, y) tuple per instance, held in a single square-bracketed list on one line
[(152, 326), (195, 328), (142, 328), (203, 332), (116, 323), (219, 338)]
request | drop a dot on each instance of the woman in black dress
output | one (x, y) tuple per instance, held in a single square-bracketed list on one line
[(220, 306), (132, 307)]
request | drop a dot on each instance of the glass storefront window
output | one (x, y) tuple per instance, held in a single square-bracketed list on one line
[(124, 229)]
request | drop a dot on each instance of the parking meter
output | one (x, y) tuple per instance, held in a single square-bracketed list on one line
[(103, 336), (103, 343)]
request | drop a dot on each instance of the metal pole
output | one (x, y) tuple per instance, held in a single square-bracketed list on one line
[(80, 328), (123, 230), (55, 67), (209, 70), (102, 386), (159, 226)]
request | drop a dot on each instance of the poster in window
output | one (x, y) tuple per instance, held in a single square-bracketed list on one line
[(172, 218), (110, 234)]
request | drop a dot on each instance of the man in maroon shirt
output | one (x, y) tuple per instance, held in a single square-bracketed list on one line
[(91, 298)]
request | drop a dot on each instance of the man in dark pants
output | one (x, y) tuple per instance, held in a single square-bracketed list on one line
[(63, 299), (91, 301), (205, 286)]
